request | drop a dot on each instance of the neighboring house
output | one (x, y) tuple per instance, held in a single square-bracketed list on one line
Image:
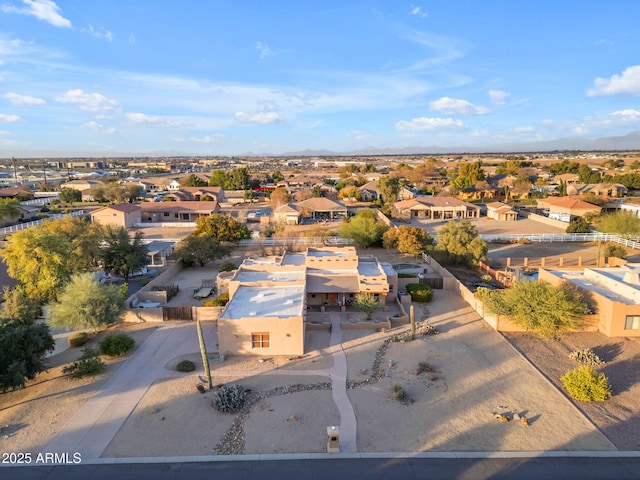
[(195, 194), (572, 206), (160, 184), (370, 191), (473, 193), (436, 208), (81, 184), (122, 215), (321, 208), (406, 193), (633, 208), (615, 292), (287, 214), (269, 297), (598, 189), (176, 212), (25, 213), (14, 192), (501, 212), (568, 178)]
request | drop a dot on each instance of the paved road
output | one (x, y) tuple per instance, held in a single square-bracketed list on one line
[(535, 468)]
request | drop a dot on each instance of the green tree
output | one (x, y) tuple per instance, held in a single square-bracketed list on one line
[(133, 192), (616, 251), (578, 225), (460, 241), (121, 253), (9, 208), (389, 187), (406, 239), (367, 303), (249, 195), (193, 181), (365, 229), (219, 178), (23, 348), (277, 176), (280, 196), (227, 266), (86, 304), (17, 307), (223, 228), (316, 191), (621, 223), (467, 175), (200, 250), (70, 195), (349, 192), (238, 179), (539, 306)]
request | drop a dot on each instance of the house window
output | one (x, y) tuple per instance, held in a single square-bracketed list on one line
[(176, 215), (632, 322), (185, 216), (260, 340), (166, 214)]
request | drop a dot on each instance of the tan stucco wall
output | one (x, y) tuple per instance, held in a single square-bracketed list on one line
[(286, 335)]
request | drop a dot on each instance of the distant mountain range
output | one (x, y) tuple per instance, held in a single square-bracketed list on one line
[(630, 141)]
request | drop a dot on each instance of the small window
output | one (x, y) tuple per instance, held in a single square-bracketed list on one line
[(166, 214), (313, 295), (632, 322), (176, 215), (185, 216), (260, 340)]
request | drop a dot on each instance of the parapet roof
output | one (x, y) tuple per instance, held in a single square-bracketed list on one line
[(282, 302)]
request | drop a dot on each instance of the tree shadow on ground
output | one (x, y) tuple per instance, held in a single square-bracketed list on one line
[(608, 353)]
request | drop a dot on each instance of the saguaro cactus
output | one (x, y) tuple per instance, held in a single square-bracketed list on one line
[(413, 322), (203, 352)]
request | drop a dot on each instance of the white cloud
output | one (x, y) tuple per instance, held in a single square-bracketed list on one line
[(626, 84), (428, 123), (627, 115), (99, 128), (358, 135), (264, 50), (154, 120), (46, 10), (99, 33), (498, 97), (92, 102), (455, 106), (9, 118), (216, 137), (4, 133), (419, 12), (23, 100), (263, 118)]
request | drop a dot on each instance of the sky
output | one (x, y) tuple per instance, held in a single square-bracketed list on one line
[(194, 77)]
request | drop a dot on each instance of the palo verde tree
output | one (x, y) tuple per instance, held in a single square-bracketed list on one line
[(461, 243), (86, 304), (389, 187), (625, 224), (367, 303), (538, 306), (9, 208), (70, 195), (121, 253), (17, 307)]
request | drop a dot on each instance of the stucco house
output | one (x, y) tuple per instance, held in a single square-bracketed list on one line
[(176, 212), (321, 208), (614, 292), (572, 206), (122, 215), (436, 208), (501, 212), (287, 214), (269, 296)]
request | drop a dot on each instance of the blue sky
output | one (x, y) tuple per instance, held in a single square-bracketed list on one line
[(137, 77)]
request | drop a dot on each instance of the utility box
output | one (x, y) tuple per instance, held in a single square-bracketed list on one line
[(333, 439)]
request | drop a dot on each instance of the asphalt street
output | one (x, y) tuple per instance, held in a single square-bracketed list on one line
[(548, 468)]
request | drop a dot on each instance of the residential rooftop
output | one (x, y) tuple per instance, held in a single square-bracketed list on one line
[(281, 302)]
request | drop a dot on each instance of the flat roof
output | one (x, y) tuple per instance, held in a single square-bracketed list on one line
[(388, 269), (327, 253), (282, 302), (280, 276), (294, 259), (582, 281), (332, 283), (368, 269)]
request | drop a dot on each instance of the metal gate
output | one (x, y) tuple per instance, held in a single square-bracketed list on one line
[(177, 313)]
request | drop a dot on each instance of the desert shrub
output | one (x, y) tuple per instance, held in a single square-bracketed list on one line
[(586, 356), (186, 366), (614, 251), (227, 266), (229, 399), (220, 301), (424, 367), (486, 278), (420, 293), (524, 241), (88, 364), (586, 384), (398, 392), (78, 339), (116, 345)]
